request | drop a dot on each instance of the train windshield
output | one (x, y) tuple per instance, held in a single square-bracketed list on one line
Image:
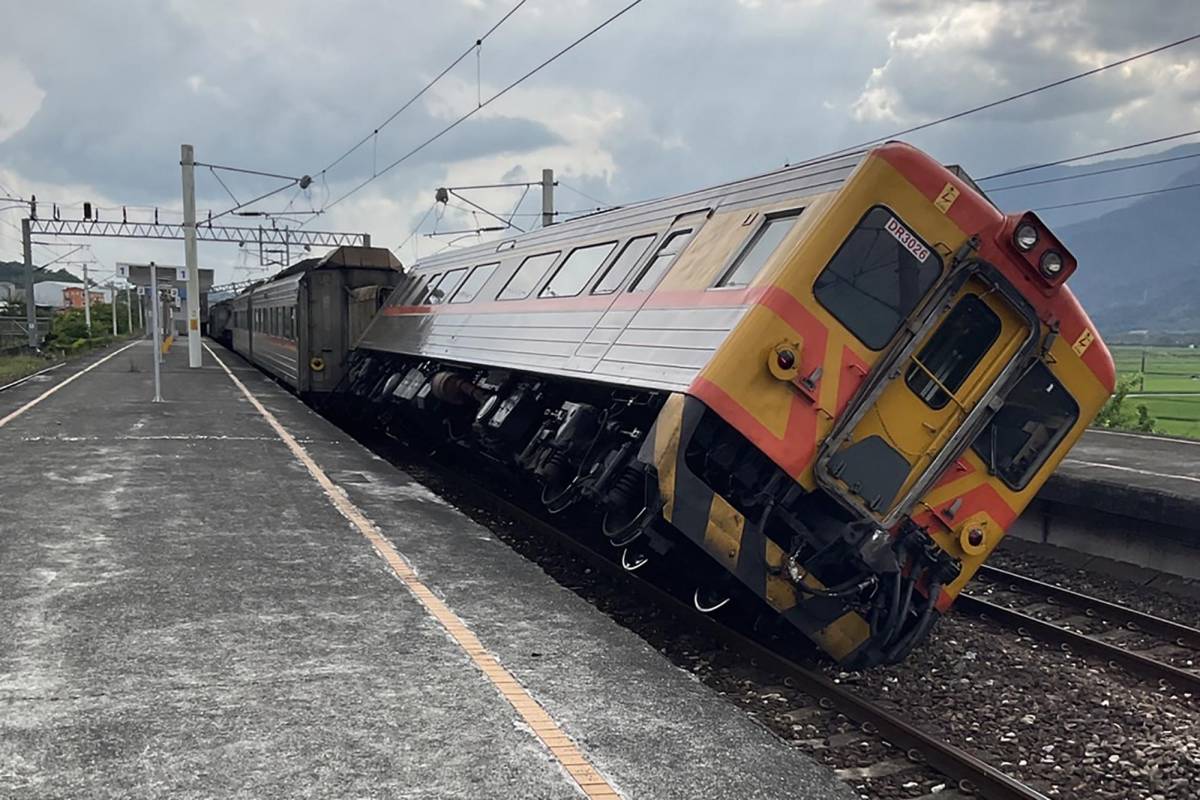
[(877, 277), (1035, 417)]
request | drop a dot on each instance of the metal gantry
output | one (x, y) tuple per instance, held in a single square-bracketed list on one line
[(265, 237)]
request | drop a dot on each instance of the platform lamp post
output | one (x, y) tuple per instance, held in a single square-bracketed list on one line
[(155, 311)]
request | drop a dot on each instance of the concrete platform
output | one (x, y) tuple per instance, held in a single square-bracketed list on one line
[(1124, 497), (1148, 477), (187, 614)]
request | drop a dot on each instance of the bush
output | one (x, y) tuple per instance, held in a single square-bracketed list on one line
[(67, 328), (1116, 415), (71, 325)]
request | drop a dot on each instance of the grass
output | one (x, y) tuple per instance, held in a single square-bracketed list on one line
[(15, 367), (1169, 385)]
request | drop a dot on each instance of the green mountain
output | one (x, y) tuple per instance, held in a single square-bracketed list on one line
[(1138, 270), (14, 272)]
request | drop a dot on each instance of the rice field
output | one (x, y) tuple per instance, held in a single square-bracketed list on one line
[(1168, 385)]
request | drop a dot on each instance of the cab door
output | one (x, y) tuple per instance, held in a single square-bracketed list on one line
[(972, 339)]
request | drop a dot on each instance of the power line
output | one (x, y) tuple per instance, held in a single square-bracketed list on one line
[(485, 103), (477, 44), (417, 228), (1017, 96), (584, 194), (1120, 197), (245, 171), (1094, 172), (1109, 151)]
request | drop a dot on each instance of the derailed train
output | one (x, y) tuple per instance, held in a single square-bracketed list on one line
[(841, 382)]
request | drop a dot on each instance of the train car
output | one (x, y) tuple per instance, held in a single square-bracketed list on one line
[(218, 325), (840, 382), (300, 324)]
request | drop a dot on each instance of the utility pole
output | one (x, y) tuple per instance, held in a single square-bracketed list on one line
[(128, 309), (547, 198), (188, 165), (112, 296), (87, 302), (155, 309), (30, 300)]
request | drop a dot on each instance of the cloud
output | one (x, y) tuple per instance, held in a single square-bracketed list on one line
[(22, 97), (666, 99)]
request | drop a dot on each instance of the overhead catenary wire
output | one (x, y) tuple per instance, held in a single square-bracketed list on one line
[(484, 104), (585, 195), (1128, 196), (1085, 156), (417, 227), (1124, 168), (472, 48), (1010, 98)]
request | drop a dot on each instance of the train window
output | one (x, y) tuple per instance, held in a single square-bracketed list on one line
[(577, 269), (446, 285), (662, 261), (623, 264), (1035, 417), (953, 351), (527, 276), (474, 282), (754, 256), (422, 297), (877, 277), (292, 324)]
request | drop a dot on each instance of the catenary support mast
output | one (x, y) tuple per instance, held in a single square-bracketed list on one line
[(188, 166)]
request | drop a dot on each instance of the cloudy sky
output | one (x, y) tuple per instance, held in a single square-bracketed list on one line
[(96, 97)]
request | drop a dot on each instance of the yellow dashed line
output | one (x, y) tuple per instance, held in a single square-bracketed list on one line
[(561, 746)]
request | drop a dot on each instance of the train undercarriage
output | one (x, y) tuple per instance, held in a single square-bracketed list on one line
[(672, 483)]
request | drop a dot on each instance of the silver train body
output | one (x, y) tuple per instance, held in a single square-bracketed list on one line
[(645, 337)]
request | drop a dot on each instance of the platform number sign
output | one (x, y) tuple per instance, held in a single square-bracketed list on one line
[(181, 274)]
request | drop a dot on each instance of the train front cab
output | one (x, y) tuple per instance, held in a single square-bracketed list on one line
[(913, 376)]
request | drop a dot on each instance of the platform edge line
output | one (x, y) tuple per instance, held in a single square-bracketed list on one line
[(434, 607), (1135, 470)]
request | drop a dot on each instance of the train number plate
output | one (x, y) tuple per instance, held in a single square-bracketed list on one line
[(906, 237)]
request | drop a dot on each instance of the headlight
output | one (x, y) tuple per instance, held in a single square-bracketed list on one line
[(1052, 264), (1026, 237)]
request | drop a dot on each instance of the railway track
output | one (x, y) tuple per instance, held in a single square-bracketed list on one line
[(966, 774), (1154, 648)]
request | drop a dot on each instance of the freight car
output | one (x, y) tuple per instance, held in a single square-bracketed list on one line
[(299, 325), (841, 382)]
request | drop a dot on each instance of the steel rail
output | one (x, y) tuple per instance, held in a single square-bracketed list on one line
[(972, 774), (1136, 663), (19, 381), (1175, 632)]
